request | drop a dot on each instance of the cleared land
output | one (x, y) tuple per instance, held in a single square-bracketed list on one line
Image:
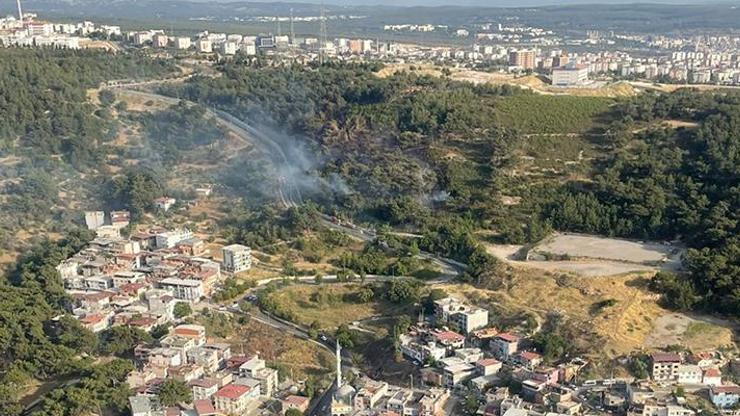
[(634, 321), (330, 305), (695, 332), (302, 357), (586, 268), (585, 246)]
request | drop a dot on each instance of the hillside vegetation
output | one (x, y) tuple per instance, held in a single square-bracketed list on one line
[(425, 153)]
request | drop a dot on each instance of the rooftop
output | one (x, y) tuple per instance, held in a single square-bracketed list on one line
[(508, 337), (233, 391), (665, 357)]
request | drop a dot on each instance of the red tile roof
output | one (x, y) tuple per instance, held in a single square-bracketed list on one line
[(296, 400), (449, 336), (712, 372), (204, 407), (726, 389), (529, 355), (485, 362), (92, 319), (508, 337), (665, 357), (233, 391)]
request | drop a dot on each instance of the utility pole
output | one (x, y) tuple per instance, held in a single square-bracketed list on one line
[(292, 28)]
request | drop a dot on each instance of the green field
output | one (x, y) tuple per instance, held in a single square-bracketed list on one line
[(549, 114)]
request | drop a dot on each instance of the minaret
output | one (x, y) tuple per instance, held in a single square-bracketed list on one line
[(339, 365), (20, 11)]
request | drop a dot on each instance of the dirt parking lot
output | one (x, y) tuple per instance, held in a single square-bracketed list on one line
[(585, 246)]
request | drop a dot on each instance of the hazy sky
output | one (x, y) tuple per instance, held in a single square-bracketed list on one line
[(497, 3)]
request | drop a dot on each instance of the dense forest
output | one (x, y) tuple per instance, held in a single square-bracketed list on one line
[(671, 184), (434, 155), (50, 131), (43, 99)]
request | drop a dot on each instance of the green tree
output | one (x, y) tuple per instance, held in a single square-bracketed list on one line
[(172, 392), (182, 309)]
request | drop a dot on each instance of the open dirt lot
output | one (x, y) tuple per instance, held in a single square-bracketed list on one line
[(335, 309), (584, 246), (586, 268), (301, 357), (693, 331)]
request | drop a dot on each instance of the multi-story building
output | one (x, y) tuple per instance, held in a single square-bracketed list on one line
[(689, 374), (182, 43), (237, 258), (169, 239), (370, 394), (232, 399), (505, 345), (204, 388), (160, 40), (569, 76), (204, 46), (665, 366), (182, 289), (725, 396), (463, 317), (523, 59)]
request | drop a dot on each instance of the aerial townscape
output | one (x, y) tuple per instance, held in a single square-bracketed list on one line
[(369, 208)]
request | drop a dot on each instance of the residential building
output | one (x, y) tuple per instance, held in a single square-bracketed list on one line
[(665, 366), (256, 368), (464, 318), (505, 345), (689, 374), (204, 388), (164, 203), (522, 59), (191, 331), (145, 405), (370, 394), (187, 290), (237, 258), (182, 43), (569, 76), (712, 377), (94, 219), (725, 396), (299, 403), (228, 48), (529, 359), (160, 40), (488, 366), (204, 46), (232, 399), (169, 239), (656, 409)]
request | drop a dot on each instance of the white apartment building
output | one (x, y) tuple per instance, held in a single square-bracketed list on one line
[(464, 317), (183, 43), (204, 46), (237, 258), (170, 239), (569, 76), (665, 366), (182, 289)]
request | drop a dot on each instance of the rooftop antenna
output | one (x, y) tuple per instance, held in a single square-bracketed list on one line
[(322, 36), (20, 11)]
